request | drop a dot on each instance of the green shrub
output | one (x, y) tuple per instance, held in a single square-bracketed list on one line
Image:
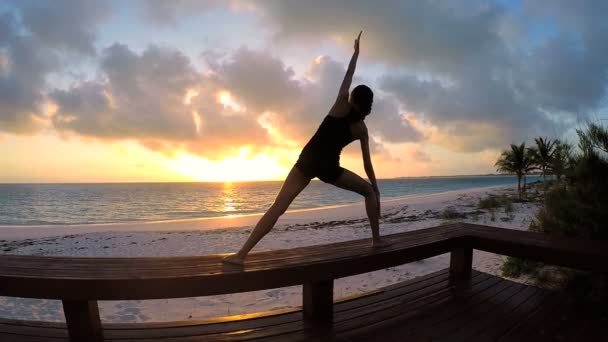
[(516, 267), (450, 213), (495, 202)]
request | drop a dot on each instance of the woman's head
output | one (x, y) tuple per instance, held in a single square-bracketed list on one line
[(362, 97)]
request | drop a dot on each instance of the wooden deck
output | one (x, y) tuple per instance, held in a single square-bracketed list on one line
[(453, 305), (427, 308)]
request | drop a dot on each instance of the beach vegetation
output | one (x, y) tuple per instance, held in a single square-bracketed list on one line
[(542, 155), (492, 203), (563, 160), (451, 213), (576, 204), (495, 202), (518, 160)]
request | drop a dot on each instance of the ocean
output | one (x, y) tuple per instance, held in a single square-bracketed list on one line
[(79, 203)]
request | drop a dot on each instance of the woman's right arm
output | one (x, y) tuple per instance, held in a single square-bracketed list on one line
[(348, 78), (342, 99)]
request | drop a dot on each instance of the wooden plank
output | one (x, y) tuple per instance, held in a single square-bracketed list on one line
[(502, 292), (73, 279), (557, 250), (374, 322), (480, 283), (82, 320), (163, 263), (39, 331), (391, 293), (505, 323), (519, 332), (6, 337), (185, 328), (494, 315), (210, 284)]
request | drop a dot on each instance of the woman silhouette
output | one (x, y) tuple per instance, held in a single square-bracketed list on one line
[(320, 158)]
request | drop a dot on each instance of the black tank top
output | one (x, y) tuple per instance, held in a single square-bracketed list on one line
[(327, 143)]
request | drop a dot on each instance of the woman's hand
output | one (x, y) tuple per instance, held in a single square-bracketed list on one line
[(357, 42)]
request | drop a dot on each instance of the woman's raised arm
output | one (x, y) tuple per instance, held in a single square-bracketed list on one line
[(348, 78)]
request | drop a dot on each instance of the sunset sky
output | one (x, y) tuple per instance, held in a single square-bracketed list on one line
[(123, 91)]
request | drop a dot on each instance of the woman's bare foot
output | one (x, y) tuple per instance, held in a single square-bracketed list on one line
[(379, 243), (234, 259)]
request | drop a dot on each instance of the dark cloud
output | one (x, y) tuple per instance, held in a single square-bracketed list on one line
[(463, 65), (69, 24), (438, 35), (35, 37), (169, 12), (460, 110), (143, 97), (264, 83), (568, 71), (480, 73)]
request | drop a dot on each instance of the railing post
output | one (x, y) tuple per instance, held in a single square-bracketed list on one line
[(461, 264), (318, 301), (82, 320)]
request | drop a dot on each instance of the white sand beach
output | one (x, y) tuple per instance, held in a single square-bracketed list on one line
[(225, 235)]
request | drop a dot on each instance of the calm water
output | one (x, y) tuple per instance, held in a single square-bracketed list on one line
[(37, 204)]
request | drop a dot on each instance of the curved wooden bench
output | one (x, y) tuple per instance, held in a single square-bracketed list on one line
[(81, 282)]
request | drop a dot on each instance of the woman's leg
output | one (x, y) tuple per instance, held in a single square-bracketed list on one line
[(295, 182), (351, 181)]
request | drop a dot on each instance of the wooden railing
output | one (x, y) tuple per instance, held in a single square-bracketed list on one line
[(81, 282)]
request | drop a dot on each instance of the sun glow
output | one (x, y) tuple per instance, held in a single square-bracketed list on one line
[(243, 167)]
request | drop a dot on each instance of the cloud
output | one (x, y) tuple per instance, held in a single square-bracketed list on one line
[(471, 75), (475, 114), (421, 156), (67, 24), (142, 97), (432, 34), (568, 71), (466, 64), (34, 40), (265, 84), (158, 98), (169, 12)]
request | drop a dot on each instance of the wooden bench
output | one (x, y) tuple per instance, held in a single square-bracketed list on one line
[(81, 282)]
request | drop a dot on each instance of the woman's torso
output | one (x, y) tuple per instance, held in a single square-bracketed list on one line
[(327, 143)]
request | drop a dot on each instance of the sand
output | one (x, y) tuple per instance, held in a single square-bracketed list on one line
[(224, 235)]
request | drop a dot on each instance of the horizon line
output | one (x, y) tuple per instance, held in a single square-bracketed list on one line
[(266, 180)]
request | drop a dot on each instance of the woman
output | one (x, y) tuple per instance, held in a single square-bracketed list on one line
[(320, 158)]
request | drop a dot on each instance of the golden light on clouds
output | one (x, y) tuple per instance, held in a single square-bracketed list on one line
[(268, 121), (189, 95), (227, 100), (196, 117), (49, 109)]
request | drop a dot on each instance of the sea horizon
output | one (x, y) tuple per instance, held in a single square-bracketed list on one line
[(269, 180), (48, 204)]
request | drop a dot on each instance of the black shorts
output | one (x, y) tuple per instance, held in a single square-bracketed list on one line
[(327, 172)]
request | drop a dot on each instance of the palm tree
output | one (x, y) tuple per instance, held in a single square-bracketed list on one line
[(562, 161), (518, 160), (543, 154)]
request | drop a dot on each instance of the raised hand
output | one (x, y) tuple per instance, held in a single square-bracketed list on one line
[(357, 41)]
